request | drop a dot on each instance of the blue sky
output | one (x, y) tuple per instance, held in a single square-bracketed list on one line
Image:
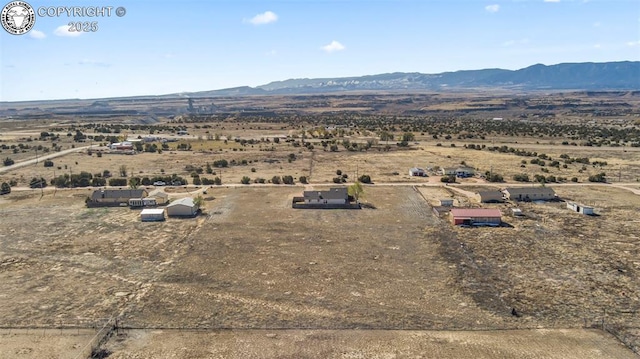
[(162, 47)]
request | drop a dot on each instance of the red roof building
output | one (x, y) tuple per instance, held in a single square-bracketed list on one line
[(476, 216)]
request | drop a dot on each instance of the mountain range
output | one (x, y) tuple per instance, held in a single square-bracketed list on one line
[(623, 75)]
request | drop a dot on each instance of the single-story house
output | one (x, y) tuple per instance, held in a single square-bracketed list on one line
[(417, 172), (337, 195), (462, 171), (448, 171), (517, 212), (152, 215), (490, 196), (183, 207), (115, 197), (580, 208), (465, 172), (476, 216), (529, 193), (446, 202), (121, 146)]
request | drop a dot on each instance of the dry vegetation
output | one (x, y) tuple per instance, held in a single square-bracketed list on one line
[(332, 281)]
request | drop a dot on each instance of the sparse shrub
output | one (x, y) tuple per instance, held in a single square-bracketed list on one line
[(245, 180), (5, 188), (287, 179), (8, 161), (303, 179), (275, 179), (365, 179), (48, 163)]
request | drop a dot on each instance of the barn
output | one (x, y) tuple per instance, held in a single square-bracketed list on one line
[(152, 215), (476, 216), (183, 207)]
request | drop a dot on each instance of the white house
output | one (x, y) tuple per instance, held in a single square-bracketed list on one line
[(183, 207), (417, 172), (152, 215)]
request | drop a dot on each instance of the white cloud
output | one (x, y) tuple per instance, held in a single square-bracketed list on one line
[(515, 42), (264, 18), (492, 8), (64, 32), (93, 63), (633, 43), (36, 34), (333, 46)]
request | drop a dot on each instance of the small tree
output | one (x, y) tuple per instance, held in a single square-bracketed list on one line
[(355, 190), (245, 180), (303, 179), (275, 180), (48, 163), (134, 182), (217, 181), (5, 188), (8, 161), (365, 179), (123, 171)]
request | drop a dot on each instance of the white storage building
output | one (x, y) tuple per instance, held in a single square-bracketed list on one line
[(152, 215), (183, 207)]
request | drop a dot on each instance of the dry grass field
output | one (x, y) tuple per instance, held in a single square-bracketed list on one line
[(373, 344), (253, 277)]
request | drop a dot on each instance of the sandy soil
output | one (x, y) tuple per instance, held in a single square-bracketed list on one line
[(518, 344)]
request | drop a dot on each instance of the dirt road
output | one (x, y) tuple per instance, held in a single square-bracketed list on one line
[(42, 158)]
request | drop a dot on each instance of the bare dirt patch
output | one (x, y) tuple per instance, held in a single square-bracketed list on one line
[(375, 344)]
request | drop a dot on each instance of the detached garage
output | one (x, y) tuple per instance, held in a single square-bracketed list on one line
[(476, 216), (152, 215), (183, 207)]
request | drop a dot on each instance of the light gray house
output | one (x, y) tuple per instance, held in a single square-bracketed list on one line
[(529, 193), (114, 197), (417, 172), (337, 195), (183, 207)]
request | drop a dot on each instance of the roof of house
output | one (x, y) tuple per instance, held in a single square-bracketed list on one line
[(118, 193), (416, 169), (475, 212), (152, 211), (529, 190), (332, 193), (186, 201), (158, 193)]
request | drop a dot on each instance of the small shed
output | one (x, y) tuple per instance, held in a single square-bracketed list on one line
[(183, 207), (417, 172), (580, 208), (476, 216), (446, 202), (517, 212), (152, 215)]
